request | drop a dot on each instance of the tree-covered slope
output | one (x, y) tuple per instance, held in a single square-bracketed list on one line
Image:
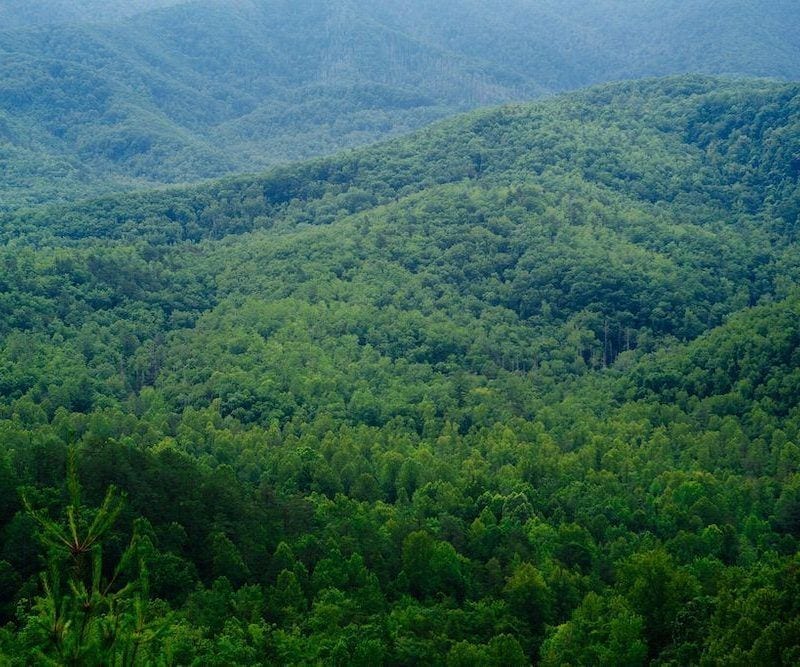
[(204, 88), (16, 14), (522, 386)]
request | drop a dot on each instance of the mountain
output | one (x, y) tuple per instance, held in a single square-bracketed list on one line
[(17, 14), (522, 386), (200, 89)]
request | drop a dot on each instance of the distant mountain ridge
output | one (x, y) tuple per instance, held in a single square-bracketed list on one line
[(16, 14), (201, 89)]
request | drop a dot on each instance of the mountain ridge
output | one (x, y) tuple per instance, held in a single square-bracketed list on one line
[(202, 89)]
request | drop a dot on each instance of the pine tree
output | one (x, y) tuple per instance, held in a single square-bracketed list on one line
[(82, 616)]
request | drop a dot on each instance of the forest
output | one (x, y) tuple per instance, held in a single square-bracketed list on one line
[(521, 387), (98, 97)]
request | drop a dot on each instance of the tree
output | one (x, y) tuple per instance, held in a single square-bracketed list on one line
[(529, 597), (602, 631), (82, 616)]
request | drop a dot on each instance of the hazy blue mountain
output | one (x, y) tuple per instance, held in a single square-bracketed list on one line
[(201, 89), (16, 14)]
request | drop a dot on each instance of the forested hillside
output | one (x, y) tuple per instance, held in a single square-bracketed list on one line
[(15, 14), (194, 90), (521, 387)]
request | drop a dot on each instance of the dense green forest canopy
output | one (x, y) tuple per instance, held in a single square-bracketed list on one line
[(199, 89), (520, 387)]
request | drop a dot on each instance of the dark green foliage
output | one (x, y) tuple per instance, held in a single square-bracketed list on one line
[(523, 387), (85, 616)]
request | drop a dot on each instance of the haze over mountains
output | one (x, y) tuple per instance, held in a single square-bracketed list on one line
[(99, 97), (16, 14)]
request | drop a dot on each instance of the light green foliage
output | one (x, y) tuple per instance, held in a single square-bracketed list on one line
[(601, 632)]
